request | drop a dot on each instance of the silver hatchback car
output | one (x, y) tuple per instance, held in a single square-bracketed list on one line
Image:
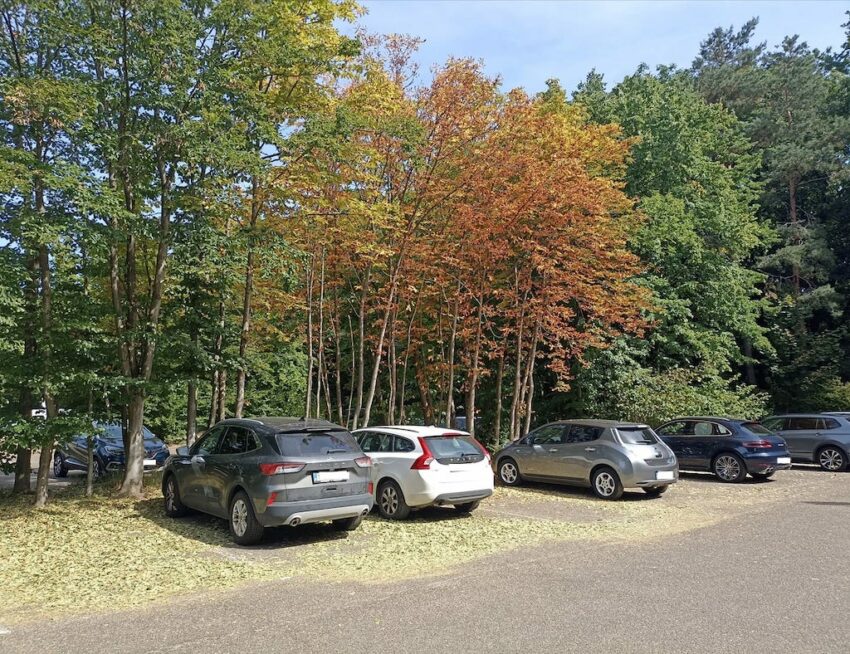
[(606, 455)]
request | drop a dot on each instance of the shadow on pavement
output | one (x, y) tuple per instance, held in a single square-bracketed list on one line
[(828, 503), (707, 477), (577, 492)]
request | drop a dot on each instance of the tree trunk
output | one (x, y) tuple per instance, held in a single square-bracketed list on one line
[(792, 205), (450, 383), (472, 381), (191, 411), (134, 459), (222, 395), (46, 456), (517, 378), (497, 421), (245, 330), (309, 398), (338, 364), (23, 471), (361, 355), (90, 452), (424, 393)]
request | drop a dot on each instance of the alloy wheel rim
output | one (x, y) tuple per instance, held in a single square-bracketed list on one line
[(831, 459), (389, 500), (239, 517), (727, 468), (57, 465), (605, 483), (508, 473), (169, 495)]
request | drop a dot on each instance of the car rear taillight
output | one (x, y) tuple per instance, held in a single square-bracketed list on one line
[(281, 468), (363, 461), (483, 449), (370, 488), (426, 459), (759, 445)]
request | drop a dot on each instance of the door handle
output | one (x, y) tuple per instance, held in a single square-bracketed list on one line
[(553, 449), (590, 449)]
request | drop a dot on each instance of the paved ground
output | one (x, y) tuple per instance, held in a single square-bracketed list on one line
[(770, 576)]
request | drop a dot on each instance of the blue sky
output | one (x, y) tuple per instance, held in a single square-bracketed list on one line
[(529, 41)]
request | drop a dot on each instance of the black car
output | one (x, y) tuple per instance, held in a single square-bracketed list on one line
[(730, 448), (268, 472)]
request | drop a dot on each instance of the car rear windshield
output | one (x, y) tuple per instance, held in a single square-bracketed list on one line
[(452, 446), (316, 443), (756, 428), (637, 435)]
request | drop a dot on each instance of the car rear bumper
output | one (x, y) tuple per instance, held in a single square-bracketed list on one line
[(646, 476), (302, 513), (766, 464), (462, 497)]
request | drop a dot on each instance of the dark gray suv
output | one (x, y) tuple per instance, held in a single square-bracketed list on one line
[(268, 472)]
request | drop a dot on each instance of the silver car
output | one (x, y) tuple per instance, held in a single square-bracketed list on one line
[(822, 438), (606, 455)]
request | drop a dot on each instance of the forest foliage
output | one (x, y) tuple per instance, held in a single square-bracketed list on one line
[(219, 208)]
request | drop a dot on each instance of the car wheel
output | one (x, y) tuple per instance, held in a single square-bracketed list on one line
[(467, 507), (348, 524), (606, 484), (763, 476), (391, 502), (174, 507), (509, 473), (59, 469), (729, 468), (655, 491), (97, 468), (832, 458), (244, 527)]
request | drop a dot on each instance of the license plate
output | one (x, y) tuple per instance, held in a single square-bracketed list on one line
[(150, 462), (664, 474), (783, 459), (330, 476)]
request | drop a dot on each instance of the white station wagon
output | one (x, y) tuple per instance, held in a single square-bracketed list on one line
[(415, 467)]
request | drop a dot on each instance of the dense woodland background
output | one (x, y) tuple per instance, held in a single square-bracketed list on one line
[(217, 208)]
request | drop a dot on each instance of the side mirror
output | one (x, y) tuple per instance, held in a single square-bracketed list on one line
[(529, 440), (183, 451)]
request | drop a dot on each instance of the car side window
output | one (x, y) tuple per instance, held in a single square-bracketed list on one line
[(679, 428), (236, 441), (703, 429), (548, 435), (802, 424), (720, 430), (773, 424), (403, 444), (209, 443), (376, 442), (583, 434)]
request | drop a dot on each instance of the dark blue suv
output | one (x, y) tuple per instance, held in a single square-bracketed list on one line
[(108, 451), (727, 447)]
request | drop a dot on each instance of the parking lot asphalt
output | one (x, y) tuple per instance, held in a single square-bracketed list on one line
[(768, 577)]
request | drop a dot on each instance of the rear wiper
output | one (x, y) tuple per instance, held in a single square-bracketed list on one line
[(335, 451)]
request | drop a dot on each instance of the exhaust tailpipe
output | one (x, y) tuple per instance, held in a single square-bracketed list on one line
[(295, 522)]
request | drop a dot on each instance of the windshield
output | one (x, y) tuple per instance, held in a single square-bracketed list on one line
[(637, 435), (316, 443), (756, 428)]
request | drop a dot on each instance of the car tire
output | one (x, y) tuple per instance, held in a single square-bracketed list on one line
[(467, 507), (390, 501), (174, 507), (655, 491), (762, 476), (99, 470), (348, 524), (244, 526), (831, 458), (509, 473), (729, 468), (606, 484), (59, 469)]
